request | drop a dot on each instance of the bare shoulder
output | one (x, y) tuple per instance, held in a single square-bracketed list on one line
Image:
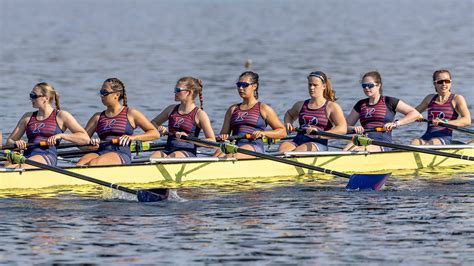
[(459, 98)]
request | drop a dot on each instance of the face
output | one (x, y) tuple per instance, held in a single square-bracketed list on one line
[(37, 98), (246, 87), (442, 83), (316, 87), (108, 95), (370, 86), (181, 91)]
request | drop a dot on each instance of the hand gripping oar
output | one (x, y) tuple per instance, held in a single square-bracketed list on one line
[(151, 195), (461, 129), (356, 181), (364, 141)]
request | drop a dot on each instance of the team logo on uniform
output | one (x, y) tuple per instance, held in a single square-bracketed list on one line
[(38, 127), (110, 124), (241, 116), (370, 113), (310, 120), (178, 122), (438, 114)]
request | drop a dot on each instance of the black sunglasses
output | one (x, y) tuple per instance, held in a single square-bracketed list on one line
[(104, 92), (35, 96), (243, 84)]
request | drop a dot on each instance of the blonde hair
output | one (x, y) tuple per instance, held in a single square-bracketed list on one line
[(195, 85), (48, 90)]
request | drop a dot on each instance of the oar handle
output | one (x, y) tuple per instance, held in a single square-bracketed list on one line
[(362, 140), (443, 124), (45, 144), (264, 139)]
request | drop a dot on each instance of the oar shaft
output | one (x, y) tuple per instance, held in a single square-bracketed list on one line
[(399, 146), (462, 129), (272, 158), (83, 177)]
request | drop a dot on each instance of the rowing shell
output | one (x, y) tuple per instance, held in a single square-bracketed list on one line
[(178, 171)]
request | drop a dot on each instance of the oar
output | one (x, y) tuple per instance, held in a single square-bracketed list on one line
[(356, 181), (364, 141), (45, 144), (149, 195), (145, 148), (458, 128)]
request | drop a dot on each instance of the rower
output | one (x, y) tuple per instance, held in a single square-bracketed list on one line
[(118, 121), (250, 117), (319, 113), (184, 119), (443, 106), (377, 110), (47, 124)]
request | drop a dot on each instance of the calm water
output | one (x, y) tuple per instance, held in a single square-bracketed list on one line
[(421, 218)]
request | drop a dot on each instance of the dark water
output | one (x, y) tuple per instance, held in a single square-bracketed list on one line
[(421, 218)]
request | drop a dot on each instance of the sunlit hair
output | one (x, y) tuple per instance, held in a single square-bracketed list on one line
[(118, 86), (48, 90), (438, 72), (329, 93), (195, 85), (376, 76), (253, 79)]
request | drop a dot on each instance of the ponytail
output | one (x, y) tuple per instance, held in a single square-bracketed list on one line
[(56, 100)]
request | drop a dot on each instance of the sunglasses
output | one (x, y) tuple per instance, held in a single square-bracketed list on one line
[(178, 89), (243, 84), (368, 85), (104, 92), (443, 81), (35, 96)]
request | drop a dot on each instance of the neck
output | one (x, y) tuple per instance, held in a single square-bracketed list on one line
[(318, 100), (114, 109), (45, 111), (375, 98), (443, 97), (249, 101), (187, 106)]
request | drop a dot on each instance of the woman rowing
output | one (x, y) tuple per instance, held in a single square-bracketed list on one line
[(377, 111), (318, 113), (250, 117), (48, 124), (118, 121), (184, 119), (443, 106)]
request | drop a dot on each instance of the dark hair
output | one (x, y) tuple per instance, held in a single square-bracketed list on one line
[(329, 93), (437, 72), (195, 85), (118, 86), (376, 76), (253, 78), (48, 90)]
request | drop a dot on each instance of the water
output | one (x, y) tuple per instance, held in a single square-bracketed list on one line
[(421, 218)]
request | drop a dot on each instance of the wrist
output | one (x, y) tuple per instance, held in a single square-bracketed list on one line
[(397, 123)]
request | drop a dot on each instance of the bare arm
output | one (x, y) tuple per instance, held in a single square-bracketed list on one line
[(291, 115), (78, 134), (140, 120), (226, 125), (163, 116), (352, 119), (424, 104), (411, 114), (336, 116), (19, 130), (205, 123), (278, 129), (463, 111)]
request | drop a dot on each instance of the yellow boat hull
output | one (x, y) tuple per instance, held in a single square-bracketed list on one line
[(174, 172)]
